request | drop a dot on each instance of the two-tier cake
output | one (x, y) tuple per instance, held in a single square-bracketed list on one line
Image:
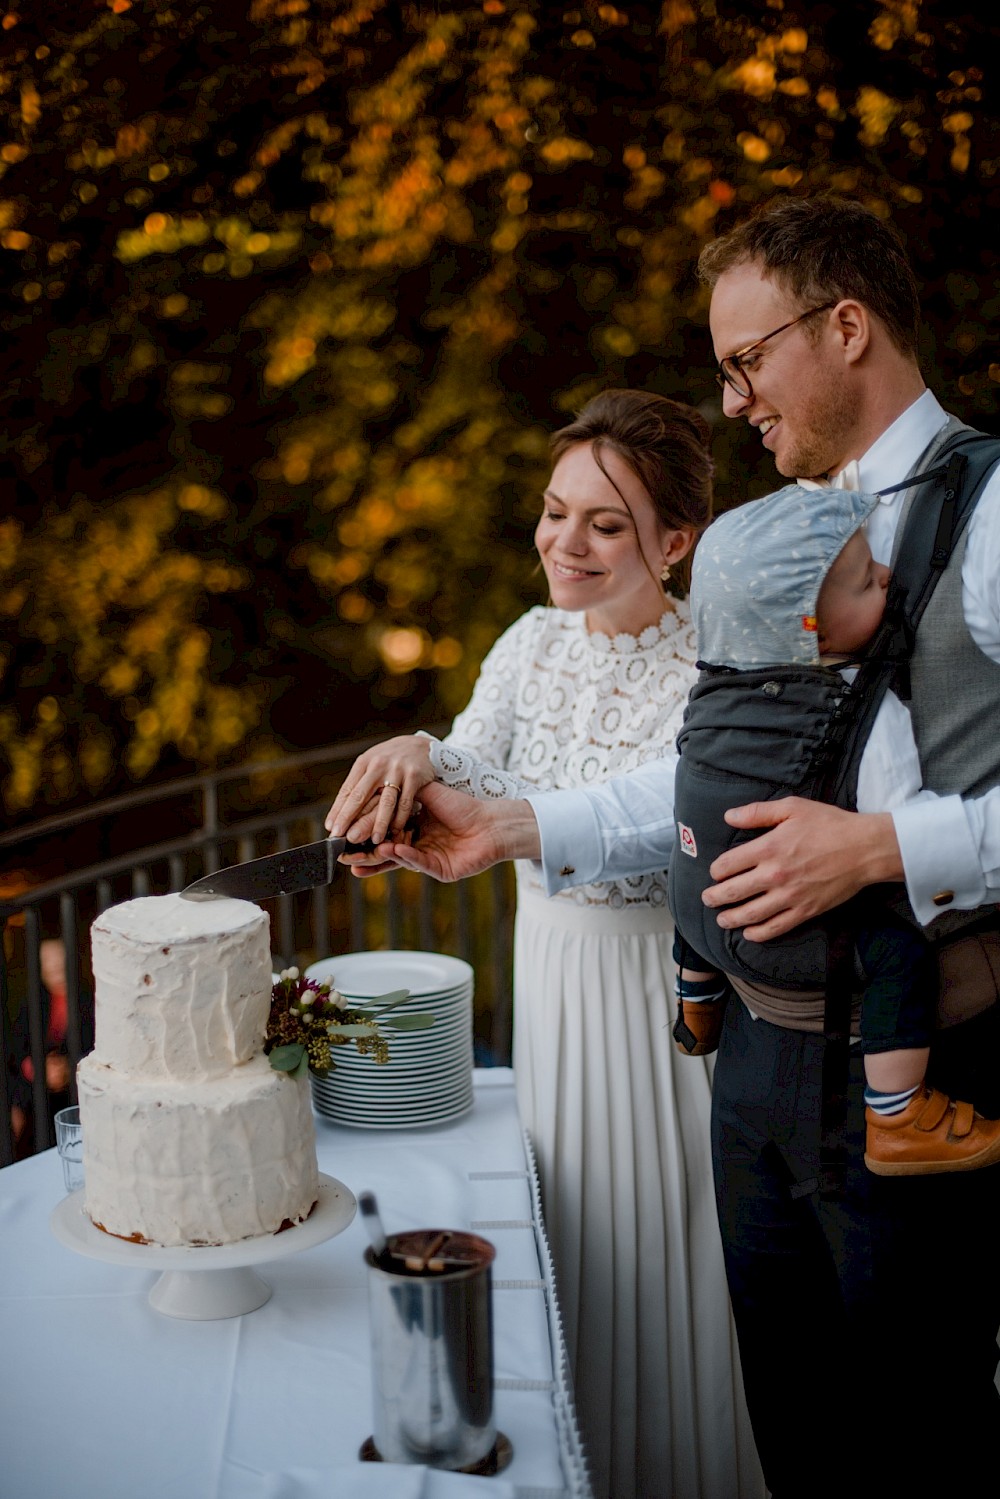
[(189, 1136)]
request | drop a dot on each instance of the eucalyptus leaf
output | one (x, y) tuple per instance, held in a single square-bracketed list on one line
[(288, 1058), (302, 1070), (383, 1002), (409, 1022)]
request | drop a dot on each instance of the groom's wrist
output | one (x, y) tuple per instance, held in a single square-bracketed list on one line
[(516, 831)]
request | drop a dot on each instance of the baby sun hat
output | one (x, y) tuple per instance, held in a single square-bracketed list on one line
[(758, 571)]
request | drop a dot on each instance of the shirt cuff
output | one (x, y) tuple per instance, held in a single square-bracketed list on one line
[(570, 836), (941, 864)]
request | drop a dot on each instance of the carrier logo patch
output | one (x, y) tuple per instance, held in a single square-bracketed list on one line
[(688, 844)]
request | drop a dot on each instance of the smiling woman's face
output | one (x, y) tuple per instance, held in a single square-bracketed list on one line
[(596, 555)]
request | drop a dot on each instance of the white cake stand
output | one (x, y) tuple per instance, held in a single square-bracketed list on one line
[(216, 1280)]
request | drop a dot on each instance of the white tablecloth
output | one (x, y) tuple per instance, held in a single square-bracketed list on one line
[(104, 1398)]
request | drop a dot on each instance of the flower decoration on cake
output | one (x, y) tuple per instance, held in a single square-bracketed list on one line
[(309, 1019)]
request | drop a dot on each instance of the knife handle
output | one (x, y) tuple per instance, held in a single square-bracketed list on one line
[(368, 847)]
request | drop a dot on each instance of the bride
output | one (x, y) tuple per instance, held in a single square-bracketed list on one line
[(571, 694)]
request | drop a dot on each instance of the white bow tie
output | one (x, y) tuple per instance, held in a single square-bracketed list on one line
[(848, 478)]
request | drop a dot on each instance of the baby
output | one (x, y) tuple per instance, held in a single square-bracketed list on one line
[(785, 598)]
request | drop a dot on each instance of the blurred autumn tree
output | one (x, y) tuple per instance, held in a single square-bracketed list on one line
[(295, 291)]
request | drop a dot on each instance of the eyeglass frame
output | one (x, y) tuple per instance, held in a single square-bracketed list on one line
[(724, 379)]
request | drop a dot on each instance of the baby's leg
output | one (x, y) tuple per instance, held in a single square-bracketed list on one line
[(701, 994), (912, 1130), (892, 1072)]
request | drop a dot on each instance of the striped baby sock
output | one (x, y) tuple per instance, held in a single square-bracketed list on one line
[(888, 1103)]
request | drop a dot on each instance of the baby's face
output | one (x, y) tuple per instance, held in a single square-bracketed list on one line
[(852, 599)]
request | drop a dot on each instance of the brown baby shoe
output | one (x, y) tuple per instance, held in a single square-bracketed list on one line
[(698, 1026), (934, 1133)]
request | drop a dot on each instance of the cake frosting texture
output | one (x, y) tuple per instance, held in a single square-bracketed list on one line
[(190, 1137), (183, 987)]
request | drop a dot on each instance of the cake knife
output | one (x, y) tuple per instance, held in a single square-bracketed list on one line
[(277, 874)]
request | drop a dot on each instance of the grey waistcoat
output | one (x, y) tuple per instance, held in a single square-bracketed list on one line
[(956, 687)]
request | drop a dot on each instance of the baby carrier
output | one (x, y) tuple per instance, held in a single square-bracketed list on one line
[(781, 731), (772, 732)]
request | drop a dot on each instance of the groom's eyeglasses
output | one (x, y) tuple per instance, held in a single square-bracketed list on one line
[(731, 371)]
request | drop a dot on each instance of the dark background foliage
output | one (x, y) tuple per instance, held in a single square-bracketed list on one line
[(294, 292)]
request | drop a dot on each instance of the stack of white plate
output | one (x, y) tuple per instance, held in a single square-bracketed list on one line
[(428, 1077)]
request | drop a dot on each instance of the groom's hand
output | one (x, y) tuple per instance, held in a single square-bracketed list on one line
[(813, 858), (460, 836)]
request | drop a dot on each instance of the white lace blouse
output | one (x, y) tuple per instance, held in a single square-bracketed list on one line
[(557, 707)]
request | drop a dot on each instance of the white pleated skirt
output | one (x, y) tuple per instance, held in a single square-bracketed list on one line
[(619, 1120)]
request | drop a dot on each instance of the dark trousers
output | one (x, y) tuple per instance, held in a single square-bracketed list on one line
[(867, 1322)]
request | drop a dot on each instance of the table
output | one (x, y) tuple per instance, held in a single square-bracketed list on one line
[(105, 1398)]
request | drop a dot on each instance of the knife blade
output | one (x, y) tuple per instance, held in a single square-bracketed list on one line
[(275, 874)]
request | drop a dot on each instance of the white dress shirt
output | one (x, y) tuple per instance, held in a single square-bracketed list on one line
[(626, 825)]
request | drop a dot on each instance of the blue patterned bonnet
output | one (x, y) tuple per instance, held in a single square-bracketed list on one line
[(758, 571)]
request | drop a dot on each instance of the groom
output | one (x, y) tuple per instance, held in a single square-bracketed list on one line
[(867, 1324)]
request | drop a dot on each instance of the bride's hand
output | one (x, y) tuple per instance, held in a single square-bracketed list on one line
[(361, 829), (381, 788)]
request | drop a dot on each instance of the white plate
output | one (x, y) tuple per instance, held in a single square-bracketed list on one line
[(405, 1058), (403, 1096), (435, 1038), (410, 1095), (441, 1012), (455, 1111), (418, 1122), (406, 1103), (445, 999), (375, 1075), (413, 1123), (433, 1109), (365, 974), (417, 1045), (441, 1006), (416, 1066)]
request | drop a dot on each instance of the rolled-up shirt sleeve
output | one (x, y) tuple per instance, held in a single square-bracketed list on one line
[(622, 827)]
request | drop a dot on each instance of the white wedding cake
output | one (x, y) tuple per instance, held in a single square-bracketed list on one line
[(189, 1136)]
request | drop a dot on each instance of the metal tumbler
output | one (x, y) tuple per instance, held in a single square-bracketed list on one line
[(432, 1348)]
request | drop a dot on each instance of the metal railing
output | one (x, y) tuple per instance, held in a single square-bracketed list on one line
[(472, 919)]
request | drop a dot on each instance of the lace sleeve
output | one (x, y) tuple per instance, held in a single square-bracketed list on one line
[(474, 755), (456, 767)]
